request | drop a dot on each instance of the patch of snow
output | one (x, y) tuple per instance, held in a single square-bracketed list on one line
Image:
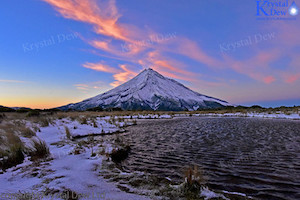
[(252, 114), (208, 194), (235, 193), (76, 129), (165, 117)]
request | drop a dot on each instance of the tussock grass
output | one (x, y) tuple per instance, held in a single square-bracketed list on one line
[(19, 123), (36, 128), (12, 139), (83, 120), (11, 149), (91, 141), (112, 120), (33, 113), (118, 155), (68, 133), (17, 127), (12, 157), (39, 150), (120, 119), (27, 132), (78, 149), (44, 121), (2, 116), (94, 122), (61, 115), (194, 175), (134, 122), (193, 181)]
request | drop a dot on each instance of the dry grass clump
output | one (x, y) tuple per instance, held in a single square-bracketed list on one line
[(9, 132), (120, 119), (61, 115), (35, 128), (2, 116), (83, 120), (193, 181), (18, 123), (68, 133), (112, 120), (91, 141), (11, 157), (33, 113), (39, 150), (14, 116), (94, 122), (78, 149), (11, 149), (134, 122), (81, 117), (27, 132), (19, 127), (44, 121), (120, 154)]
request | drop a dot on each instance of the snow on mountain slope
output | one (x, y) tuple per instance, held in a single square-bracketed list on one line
[(149, 90)]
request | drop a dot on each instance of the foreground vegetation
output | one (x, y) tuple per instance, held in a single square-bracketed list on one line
[(119, 111)]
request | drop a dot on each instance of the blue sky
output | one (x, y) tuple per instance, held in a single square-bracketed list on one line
[(55, 52)]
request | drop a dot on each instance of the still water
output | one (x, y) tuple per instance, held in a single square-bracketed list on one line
[(257, 157)]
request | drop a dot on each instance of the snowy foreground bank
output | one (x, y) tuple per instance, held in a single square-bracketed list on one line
[(73, 169), (71, 172)]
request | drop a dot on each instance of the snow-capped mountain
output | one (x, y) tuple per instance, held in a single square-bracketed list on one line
[(149, 90)]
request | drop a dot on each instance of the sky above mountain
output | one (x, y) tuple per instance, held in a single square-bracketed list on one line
[(54, 52)]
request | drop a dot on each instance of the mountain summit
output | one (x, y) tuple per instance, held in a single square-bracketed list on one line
[(149, 90)]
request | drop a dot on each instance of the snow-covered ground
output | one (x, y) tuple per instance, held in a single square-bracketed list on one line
[(67, 172), (277, 115)]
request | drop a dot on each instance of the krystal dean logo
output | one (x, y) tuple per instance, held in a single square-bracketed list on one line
[(276, 10)]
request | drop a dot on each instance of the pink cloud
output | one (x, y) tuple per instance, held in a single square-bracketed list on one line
[(123, 76), (192, 50), (257, 67), (103, 20), (100, 45), (123, 50), (291, 78), (101, 67), (269, 79), (168, 67), (104, 17)]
